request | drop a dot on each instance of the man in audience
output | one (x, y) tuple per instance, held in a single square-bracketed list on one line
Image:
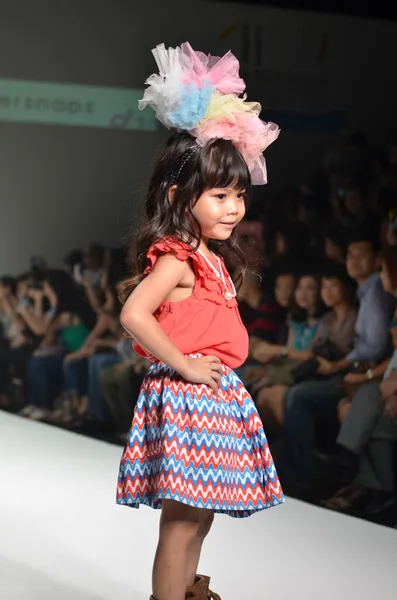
[(369, 426), (367, 437), (311, 401)]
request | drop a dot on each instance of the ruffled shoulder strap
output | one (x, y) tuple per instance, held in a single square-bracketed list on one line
[(180, 249)]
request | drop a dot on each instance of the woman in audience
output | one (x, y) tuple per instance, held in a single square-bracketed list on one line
[(266, 320), (104, 346), (119, 388), (8, 303), (73, 263), (309, 335), (29, 314), (368, 416), (67, 332)]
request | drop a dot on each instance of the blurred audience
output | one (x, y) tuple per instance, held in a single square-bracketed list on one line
[(310, 401), (369, 423), (321, 366), (333, 340)]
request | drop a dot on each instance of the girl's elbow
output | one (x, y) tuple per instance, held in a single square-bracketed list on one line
[(130, 319)]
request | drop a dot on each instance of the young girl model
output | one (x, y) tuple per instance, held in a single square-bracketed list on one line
[(196, 445)]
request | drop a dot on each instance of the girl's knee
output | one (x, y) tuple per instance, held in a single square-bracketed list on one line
[(184, 522), (179, 516)]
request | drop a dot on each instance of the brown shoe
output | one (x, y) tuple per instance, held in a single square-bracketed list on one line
[(200, 589)]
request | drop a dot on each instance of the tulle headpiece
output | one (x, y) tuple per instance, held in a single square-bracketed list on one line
[(202, 95)]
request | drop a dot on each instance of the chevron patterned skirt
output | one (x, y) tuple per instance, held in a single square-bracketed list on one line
[(188, 445)]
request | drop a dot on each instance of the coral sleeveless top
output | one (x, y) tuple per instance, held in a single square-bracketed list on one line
[(206, 322)]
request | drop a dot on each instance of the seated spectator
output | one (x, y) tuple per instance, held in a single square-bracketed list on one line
[(67, 332), (94, 264), (273, 366), (308, 402), (333, 338), (305, 314), (8, 303), (264, 314), (82, 401), (119, 387), (369, 422), (30, 314), (73, 264), (92, 272)]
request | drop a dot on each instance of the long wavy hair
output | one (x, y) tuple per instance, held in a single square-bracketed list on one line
[(216, 165)]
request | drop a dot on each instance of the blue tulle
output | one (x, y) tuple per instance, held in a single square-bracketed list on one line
[(192, 107)]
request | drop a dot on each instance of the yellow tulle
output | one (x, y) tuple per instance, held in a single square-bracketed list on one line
[(223, 106)]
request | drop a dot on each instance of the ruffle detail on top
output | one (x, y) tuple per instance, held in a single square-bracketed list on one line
[(213, 286), (181, 250), (208, 286)]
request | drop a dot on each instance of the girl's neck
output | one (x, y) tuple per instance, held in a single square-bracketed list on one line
[(204, 247)]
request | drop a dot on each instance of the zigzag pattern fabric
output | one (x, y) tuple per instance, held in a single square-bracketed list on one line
[(188, 445)]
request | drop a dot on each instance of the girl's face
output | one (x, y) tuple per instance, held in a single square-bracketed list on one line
[(332, 292), (283, 289), (306, 293), (219, 211)]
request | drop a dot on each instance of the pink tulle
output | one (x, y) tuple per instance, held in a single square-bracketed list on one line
[(248, 133), (201, 94), (221, 72)]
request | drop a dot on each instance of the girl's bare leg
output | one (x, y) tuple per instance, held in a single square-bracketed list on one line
[(206, 520), (182, 531)]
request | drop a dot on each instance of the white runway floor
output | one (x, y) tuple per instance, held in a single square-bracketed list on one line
[(62, 536)]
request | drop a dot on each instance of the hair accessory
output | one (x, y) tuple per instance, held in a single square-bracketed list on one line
[(175, 174), (201, 94)]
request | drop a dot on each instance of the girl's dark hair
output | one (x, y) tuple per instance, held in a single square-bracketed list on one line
[(194, 169), (300, 314)]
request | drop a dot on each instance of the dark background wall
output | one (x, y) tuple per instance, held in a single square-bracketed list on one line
[(318, 75)]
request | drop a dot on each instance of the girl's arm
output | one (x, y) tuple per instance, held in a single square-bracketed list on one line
[(137, 314)]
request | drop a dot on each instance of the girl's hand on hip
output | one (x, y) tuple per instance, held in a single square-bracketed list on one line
[(207, 370)]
